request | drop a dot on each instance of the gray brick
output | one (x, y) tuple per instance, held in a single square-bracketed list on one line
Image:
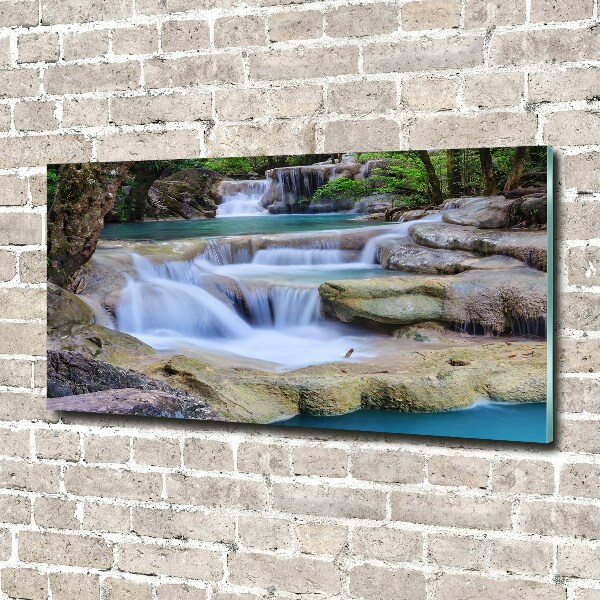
[(8, 266), (360, 21), (22, 13), (20, 303), (85, 112), (57, 513), (523, 477), (299, 25), (208, 455), (358, 97), (487, 13), (106, 449), (5, 545), (572, 127), (124, 589), (459, 471), (385, 543), (241, 105), (297, 101), (14, 443), (35, 116), (430, 94), (526, 557), (581, 480), (135, 40), (263, 458), (321, 538), (457, 551), (15, 509), (111, 77), (430, 14), (373, 582), (22, 338), (546, 11), (85, 44), (192, 106), (83, 11), (106, 517), (377, 134), (240, 31), (566, 519), (564, 85), (32, 267), (19, 83), (578, 395), (490, 91), (181, 591), (185, 35), (265, 534), (578, 560), (38, 47), (20, 229), (159, 452), (57, 445), (16, 407), (194, 70), (15, 373), (24, 583), (388, 466), (14, 190), (321, 462), (43, 150)]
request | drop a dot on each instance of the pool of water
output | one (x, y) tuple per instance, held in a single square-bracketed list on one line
[(484, 420), (240, 225)]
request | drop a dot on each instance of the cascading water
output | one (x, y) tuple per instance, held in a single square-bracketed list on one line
[(242, 198)]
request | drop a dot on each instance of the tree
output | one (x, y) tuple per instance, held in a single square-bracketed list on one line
[(490, 188), (517, 166), (433, 181), (453, 172), (84, 195)]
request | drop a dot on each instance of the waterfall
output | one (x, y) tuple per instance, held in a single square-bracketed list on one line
[(242, 198)]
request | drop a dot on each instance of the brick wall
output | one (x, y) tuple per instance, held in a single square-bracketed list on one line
[(113, 508)]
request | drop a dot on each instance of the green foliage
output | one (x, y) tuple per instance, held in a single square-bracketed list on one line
[(341, 188)]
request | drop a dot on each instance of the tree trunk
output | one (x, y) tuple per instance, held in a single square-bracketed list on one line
[(84, 194), (453, 173), (433, 181), (490, 188), (517, 166)]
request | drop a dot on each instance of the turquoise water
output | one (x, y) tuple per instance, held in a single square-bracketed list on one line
[(484, 420), (243, 225)]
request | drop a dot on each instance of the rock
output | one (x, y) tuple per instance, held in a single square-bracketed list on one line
[(492, 212), (534, 210), (527, 246), (497, 301), (103, 280), (379, 203), (129, 401), (72, 374), (526, 191), (66, 309), (187, 194)]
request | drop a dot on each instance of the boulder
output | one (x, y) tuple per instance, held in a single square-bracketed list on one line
[(527, 246), (187, 194), (492, 212), (66, 309), (496, 301)]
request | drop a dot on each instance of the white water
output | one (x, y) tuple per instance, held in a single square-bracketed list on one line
[(242, 198)]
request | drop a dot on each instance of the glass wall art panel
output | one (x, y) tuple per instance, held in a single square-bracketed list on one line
[(397, 292)]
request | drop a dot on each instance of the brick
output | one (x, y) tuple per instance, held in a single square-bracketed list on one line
[(240, 31), (581, 172), (580, 480), (5, 51), (106, 449), (451, 511), (84, 112), (42, 150), (22, 13), (32, 267), (376, 134), (160, 7), (300, 25), (208, 455), (5, 119), (14, 190), (15, 509), (157, 452), (430, 14), (241, 105), (373, 582), (217, 492), (578, 436), (572, 127), (362, 97), (456, 551), (404, 56), (22, 338), (68, 550), (579, 395), (588, 594), (74, 586), (297, 63), (297, 101), (24, 583), (141, 39), (296, 137), (57, 445), (543, 46), (85, 44), (430, 94), (567, 518), (523, 477), (578, 311), (547, 11), (578, 560), (14, 443), (385, 543), (174, 561), (181, 591), (475, 587), (459, 471), (20, 229), (577, 219), (162, 145), (193, 70), (8, 266), (302, 575), (123, 589), (360, 21), (73, 79), (35, 116), (40, 375), (491, 91), (106, 517), (321, 538), (20, 406), (321, 462), (185, 35), (491, 129), (56, 513), (191, 106), (564, 85), (329, 501), (235, 596), (524, 557), (15, 373), (169, 524), (38, 47), (5, 545), (20, 83), (388, 466), (264, 534), (38, 190), (265, 459), (83, 11), (579, 356), (109, 483), (488, 13)]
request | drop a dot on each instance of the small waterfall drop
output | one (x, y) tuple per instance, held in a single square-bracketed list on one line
[(242, 198)]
